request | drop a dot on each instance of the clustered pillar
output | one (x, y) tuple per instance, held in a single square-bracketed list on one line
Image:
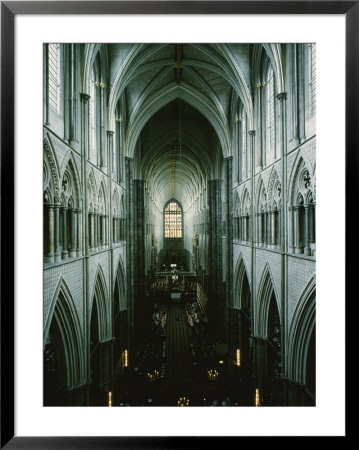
[(49, 252), (98, 231), (64, 233), (297, 245), (64, 253)]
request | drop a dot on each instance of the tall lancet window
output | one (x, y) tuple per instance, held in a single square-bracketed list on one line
[(244, 146), (270, 109), (54, 67), (312, 78), (92, 119), (173, 220)]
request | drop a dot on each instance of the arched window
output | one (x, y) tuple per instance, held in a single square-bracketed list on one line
[(312, 76), (54, 70), (270, 110), (173, 220), (92, 120)]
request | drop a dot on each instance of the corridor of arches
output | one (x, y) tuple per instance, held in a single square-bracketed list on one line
[(179, 224)]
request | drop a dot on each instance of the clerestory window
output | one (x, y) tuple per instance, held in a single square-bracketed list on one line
[(54, 67)]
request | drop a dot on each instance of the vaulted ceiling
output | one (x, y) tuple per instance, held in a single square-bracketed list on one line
[(178, 100)]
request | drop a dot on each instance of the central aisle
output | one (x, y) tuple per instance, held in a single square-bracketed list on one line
[(179, 359)]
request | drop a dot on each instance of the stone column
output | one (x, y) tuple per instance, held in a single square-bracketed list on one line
[(283, 242), (273, 228), (73, 250), (301, 92), (99, 231), (99, 237), (279, 230), (107, 229), (84, 156), (57, 233), (73, 100), (269, 230), (92, 231), (79, 232), (260, 231), (307, 251), (95, 220), (245, 228), (298, 248), (103, 237), (65, 253), (312, 223), (264, 228), (114, 230), (50, 256), (291, 229), (112, 153)]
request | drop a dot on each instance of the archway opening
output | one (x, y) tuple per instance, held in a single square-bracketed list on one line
[(245, 326), (95, 397), (54, 367), (311, 366), (273, 395)]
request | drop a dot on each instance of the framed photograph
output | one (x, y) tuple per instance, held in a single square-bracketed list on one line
[(167, 272)]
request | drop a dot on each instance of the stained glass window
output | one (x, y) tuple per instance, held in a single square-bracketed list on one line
[(173, 220)]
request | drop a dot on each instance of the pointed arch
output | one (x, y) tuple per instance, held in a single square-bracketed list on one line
[(71, 186), (274, 53), (265, 291), (261, 196), (51, 169), (92, 51), (240, 274), (120, 284), (115, 203), (164, 96), (92, 191), (70, 339), (100, 296), (274, 187), (236, 204), (301, 163), (102, 198), (246, 201), (300, 332)]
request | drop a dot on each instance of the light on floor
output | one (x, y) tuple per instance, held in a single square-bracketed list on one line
[(110, 398)]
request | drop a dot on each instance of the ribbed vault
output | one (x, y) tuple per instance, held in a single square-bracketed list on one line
[(175, 154)]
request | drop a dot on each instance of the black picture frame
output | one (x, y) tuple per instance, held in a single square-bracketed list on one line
[(9, 10)]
